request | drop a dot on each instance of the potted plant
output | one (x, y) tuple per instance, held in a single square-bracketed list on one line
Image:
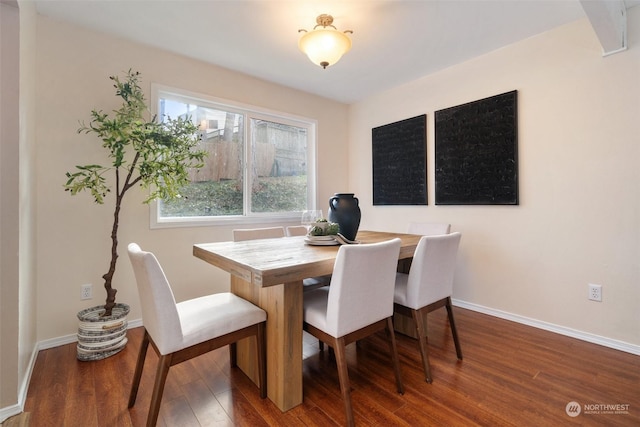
[(143, 151)]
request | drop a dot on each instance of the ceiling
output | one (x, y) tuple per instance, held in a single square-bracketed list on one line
[(394, 41)]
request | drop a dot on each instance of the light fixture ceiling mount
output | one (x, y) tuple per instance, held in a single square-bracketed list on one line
[(324, 45)]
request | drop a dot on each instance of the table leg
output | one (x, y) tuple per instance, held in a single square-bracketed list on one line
[(404, 325), (283, 304)]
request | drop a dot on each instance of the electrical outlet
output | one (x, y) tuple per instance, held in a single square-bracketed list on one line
[(86, 291), (595, 292)]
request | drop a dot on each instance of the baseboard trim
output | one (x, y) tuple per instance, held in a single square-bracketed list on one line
[(16, 409), (562, 330), (68, 339), (10, 411)]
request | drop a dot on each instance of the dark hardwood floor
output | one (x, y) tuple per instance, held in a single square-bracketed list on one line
[(511, 375)]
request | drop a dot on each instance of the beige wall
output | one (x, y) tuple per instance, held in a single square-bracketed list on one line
[(73, 232), (27, 203), (578, 221), (17, 205), (9, 213)]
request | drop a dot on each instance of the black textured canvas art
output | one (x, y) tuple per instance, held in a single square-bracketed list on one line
[(476, 152), (400, 162)]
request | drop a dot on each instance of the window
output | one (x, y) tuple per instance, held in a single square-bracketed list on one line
[(260, 165)]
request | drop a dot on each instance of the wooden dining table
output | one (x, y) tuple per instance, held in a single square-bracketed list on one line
[(269, 273)]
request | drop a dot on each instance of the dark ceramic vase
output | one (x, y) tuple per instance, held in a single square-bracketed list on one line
[(344, 210)]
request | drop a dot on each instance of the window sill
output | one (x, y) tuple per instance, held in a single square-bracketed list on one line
[(245, 221)]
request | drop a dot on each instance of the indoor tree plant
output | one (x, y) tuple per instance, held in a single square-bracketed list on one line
[(143, 150)]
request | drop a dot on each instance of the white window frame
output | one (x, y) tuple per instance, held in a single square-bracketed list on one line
[(250, 112)]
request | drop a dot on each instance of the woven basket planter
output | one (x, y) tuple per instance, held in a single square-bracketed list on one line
[(101, 337)]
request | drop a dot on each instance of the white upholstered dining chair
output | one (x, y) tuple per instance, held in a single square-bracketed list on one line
[(296, 230), (423, 229), (427, 287), (358, 303), (184, 330)]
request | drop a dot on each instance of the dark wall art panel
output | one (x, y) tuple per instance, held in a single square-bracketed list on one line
[(476, 152), (400, 162)]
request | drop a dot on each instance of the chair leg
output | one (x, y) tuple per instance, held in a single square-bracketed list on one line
[(158, 388), (454, 331), (262, 359), (142, 354), (343, 375), (422, 342), (394, 354)]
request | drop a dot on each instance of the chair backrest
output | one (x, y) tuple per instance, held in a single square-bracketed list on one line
[(241, 234), (296, 230), (362, 284), (431, 274), (429, 228), (159, 312)]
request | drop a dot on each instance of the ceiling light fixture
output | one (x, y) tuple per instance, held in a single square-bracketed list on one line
[(324, 45)]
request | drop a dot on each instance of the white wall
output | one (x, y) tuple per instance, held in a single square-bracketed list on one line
[(73, 233), (578, 221)]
